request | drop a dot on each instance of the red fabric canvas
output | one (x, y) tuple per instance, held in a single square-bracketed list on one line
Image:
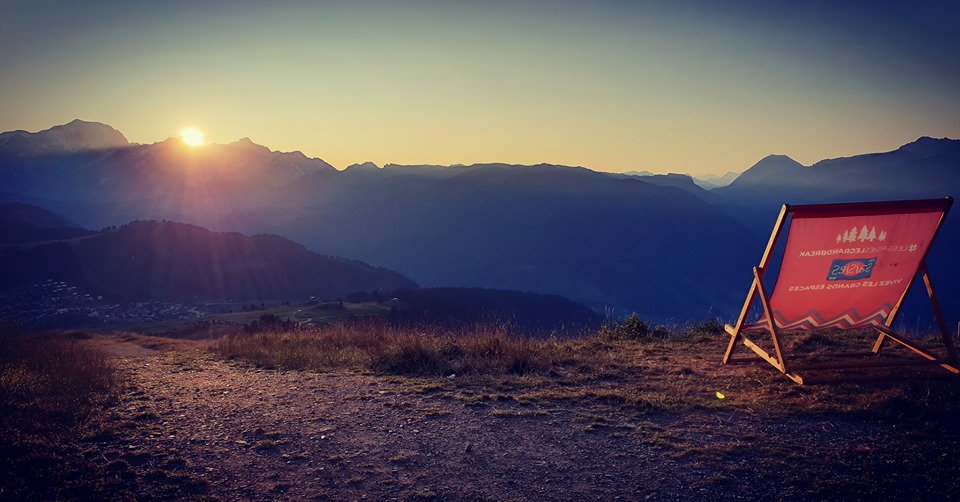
[(848, 271)]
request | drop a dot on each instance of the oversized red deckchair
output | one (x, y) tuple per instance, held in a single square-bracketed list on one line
[(845, 267)]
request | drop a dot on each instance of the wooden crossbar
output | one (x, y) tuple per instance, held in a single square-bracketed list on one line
[(876, 363), (912, 346)]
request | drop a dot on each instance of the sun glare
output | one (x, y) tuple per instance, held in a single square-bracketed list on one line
[(192, 136)]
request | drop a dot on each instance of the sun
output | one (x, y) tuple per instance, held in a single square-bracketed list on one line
[(192, 136)]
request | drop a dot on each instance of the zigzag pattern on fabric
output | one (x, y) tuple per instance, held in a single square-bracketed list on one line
[(813, 321)]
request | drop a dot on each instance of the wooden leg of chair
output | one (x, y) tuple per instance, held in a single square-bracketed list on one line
[(734, 338), (938, 312), (795, 377), (735, 330), (773, 361), (879, 344)]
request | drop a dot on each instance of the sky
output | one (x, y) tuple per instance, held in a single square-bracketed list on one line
[(699, 87)]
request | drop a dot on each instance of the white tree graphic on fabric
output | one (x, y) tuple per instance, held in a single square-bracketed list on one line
[(863, 234)]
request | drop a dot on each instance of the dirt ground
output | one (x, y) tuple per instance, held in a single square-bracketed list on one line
[(192, 426)]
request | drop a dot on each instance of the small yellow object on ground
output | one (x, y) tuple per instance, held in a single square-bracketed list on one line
[(721, 396)]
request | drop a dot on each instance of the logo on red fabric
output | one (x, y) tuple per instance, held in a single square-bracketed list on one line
[(851, 270), (863, 234)]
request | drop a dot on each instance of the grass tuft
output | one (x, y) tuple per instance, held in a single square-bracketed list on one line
[(51, 388), (53, 376), (375, 346)]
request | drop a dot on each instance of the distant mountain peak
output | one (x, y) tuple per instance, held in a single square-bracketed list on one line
[(932, 140), (364, 167), (926, 145), (768, 168), (920, 169), (773, 157), (248, 144), (76, 135), (638, 173), (774, 162)]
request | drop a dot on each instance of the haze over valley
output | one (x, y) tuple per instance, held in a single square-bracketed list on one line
[(658, 245)]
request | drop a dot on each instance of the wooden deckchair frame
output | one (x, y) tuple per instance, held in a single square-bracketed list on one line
[(757, 289)]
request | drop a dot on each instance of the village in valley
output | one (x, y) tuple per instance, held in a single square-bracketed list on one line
[(54, 304)]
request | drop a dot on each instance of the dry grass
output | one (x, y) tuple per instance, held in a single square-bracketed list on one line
[(674, 371), (52, 388), (378, 347), (53, 376)]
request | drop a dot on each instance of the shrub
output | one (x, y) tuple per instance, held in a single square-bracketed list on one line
[(412, 354), (704, 330), (632, 329), (526, 358), (270, 323)]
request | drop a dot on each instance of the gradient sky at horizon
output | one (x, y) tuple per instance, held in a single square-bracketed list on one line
[(682, 86)]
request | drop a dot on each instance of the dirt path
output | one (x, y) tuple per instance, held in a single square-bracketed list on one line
[(190, 425)]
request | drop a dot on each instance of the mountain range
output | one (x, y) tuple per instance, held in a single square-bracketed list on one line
[(660, 245), (178, 262), (21, 223), (926, 168)]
